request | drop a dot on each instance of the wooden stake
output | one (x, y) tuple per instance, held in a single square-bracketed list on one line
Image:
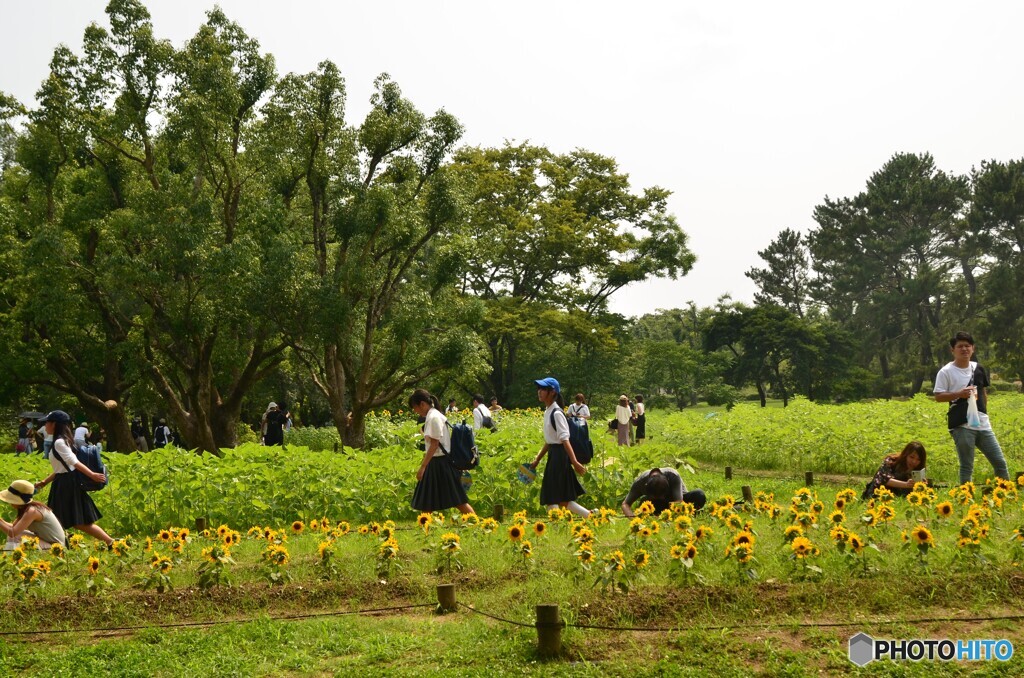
[(446, 597), (748, 494), (499, 512), (809, 478), (335, 448), (549, 631), (200, 524), (728, 472)]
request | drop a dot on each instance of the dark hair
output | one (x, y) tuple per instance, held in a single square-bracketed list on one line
[(477, 398), (451, 400), (494, 399), (580, 398), (656, 489), (899, 461), (421, 395), (34, 504), (62, 430), (639, 398), (558, 395), (961, 336)]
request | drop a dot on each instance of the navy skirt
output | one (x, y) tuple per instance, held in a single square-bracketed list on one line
[(70, 503), (641, 426), (441, 487), (560, 482)]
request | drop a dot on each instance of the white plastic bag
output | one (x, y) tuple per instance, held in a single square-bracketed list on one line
[(973, 418)]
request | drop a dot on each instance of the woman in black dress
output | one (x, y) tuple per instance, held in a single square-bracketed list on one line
[(560, 486), (69, 502)]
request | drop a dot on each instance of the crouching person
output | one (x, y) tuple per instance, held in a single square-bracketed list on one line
[(33, 519), (662, 487)]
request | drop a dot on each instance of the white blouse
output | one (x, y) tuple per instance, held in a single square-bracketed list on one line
[(556, 427), (61, 447)]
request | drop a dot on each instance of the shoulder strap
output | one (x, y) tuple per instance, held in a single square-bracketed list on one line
[(61, 459)]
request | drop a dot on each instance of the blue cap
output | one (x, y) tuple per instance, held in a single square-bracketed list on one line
[(549, 382)]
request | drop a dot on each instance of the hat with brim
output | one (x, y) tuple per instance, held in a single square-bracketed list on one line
[(19, 493), (58, 416), (548, 382)]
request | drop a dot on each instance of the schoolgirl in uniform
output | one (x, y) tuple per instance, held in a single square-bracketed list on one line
[(560, 486), (579, 409), (438, 483)]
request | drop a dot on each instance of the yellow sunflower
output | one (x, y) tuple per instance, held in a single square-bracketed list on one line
[(945, 509), (539, 528), (298, 527), (94, 565), (641, 558), (515, 533)]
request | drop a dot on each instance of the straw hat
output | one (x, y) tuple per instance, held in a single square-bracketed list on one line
[(19, 493), (623, 399)]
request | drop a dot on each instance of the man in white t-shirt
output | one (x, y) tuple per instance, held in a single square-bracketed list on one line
[(82, 434), (955, 383), (481, 414)]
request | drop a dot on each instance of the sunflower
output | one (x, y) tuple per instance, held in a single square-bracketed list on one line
[(703, 532), (802, 547), (641, 558), (666, 515), (343, 527), (375, 528), (743, 538), (165, 565), (615, 561), (467, 518), (856, 543), (539, 528), (298, 527), (839, 534), (177, 546), (28, 573), (655, 527), (164, 535), (734, 522), (792, 532), (676, 551), (636, 525), (555, 514), (743, 553), (915, 499), (43, 566), (184, 534), (922, 535), (646, 509), (386, 533), (450, 542), (690, 552), (585, 536), (119, 547), (314, 525), (645, 532), (818, 507), (488, 525), (221, 531), (983, 531), (837, 517), (94, 565), (847, 494), (254, 532), (515, 533), (682, 523), (945, 509), (526, 549), (75, 540), (585, 554), (57, 551)]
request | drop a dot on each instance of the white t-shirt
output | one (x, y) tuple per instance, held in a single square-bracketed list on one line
[(951, 379), (623, 415), (556, 427), (61, 447), (578, 410), (436, 427), (80, 435), (479, 412), (640, 409)]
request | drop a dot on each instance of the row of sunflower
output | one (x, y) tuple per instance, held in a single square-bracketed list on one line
[(728, 539)]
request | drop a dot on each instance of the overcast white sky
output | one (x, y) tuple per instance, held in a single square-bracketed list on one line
[(750, 112)]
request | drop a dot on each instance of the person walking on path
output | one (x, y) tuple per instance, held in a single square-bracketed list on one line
[(623, 418), (640, 417), (69, 502), (560, 486), (438, 483), (958, 383)]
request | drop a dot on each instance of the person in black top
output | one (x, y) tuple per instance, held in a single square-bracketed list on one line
[(273, 425), (661, 487), (24, 438)]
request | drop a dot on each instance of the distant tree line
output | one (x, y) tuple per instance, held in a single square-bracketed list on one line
[(188, 233)]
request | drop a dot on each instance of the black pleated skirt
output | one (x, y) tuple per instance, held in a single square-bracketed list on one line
[(641, 426), (560, 482), (70, 503), (440, 489)]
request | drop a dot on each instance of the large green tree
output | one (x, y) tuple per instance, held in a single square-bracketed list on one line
[(560, 230)]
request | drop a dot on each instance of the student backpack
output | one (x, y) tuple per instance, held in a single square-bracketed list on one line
[(90, 456), (463, 454), (579, 438)]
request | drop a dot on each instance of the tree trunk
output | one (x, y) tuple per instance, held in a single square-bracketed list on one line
[(111, 417), (760, 392)]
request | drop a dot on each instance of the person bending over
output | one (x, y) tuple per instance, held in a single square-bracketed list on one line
[(662, 487)]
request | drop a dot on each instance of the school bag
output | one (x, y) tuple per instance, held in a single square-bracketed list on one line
[(579, 438), (90, 456), (463, 454)]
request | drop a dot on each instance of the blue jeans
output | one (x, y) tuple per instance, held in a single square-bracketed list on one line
[(966, 440)]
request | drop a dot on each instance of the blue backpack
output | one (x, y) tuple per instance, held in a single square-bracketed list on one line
[(463, 456), (90, 456), (579, 438)]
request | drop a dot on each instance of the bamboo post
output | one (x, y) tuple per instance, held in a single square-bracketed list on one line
[(809, 478), (549, 631), (748, 494), (200, 524), (446, 597), (728, 472), (499, 512)]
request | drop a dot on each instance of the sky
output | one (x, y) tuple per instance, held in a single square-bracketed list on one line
[(751, 113)]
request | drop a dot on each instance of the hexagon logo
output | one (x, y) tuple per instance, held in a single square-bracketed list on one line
[(862, 649)]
